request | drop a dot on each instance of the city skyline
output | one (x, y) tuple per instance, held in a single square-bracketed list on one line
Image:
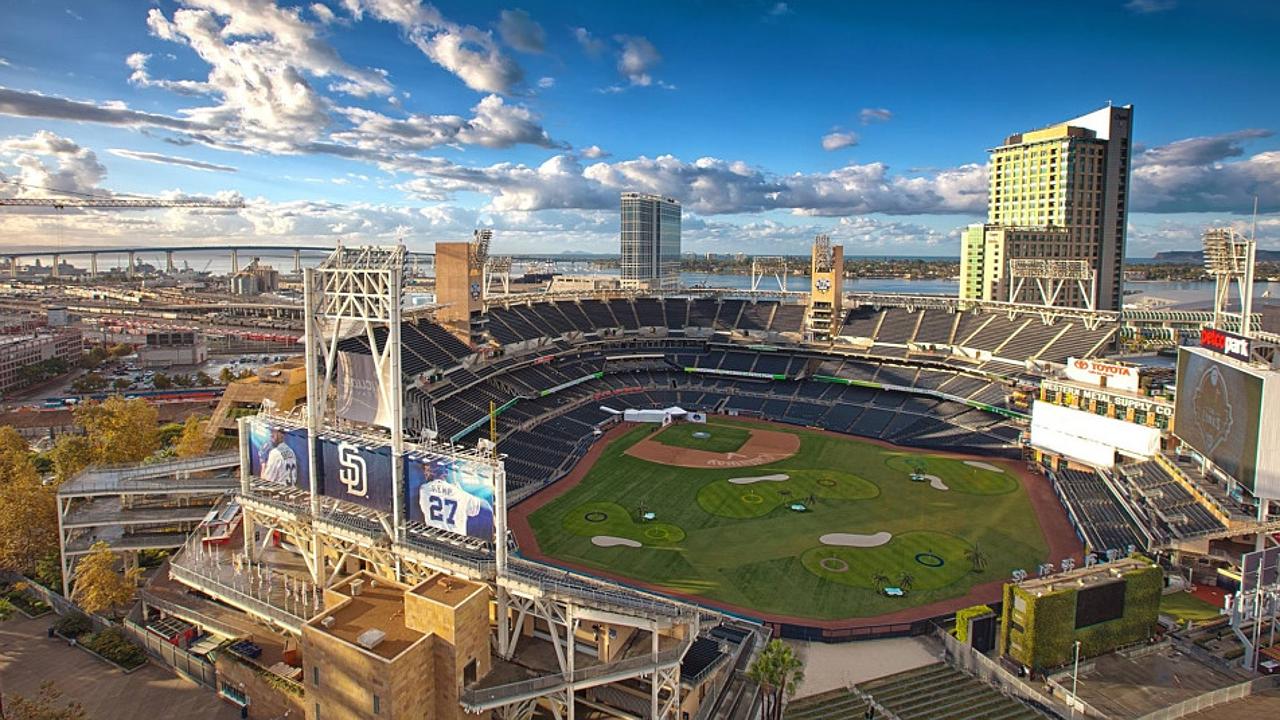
[(377, 120)]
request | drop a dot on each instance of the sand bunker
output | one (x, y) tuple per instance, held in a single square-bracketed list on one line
[(613, 541), (982, 466), (936, 482), (759, 478), (855, 540)]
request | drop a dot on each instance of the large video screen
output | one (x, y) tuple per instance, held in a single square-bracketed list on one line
[(1099, 603), (278, 454), (451, 494), (1218, 413)]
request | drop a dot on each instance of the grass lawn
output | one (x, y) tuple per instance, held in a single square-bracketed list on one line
[(741, 543), (724, 437), (1183, 606)]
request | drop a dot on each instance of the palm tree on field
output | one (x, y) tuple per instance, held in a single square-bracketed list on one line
[(905, 580), (779, 673), (977, 557), (880, 580)]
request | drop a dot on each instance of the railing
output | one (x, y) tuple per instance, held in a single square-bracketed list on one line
[(540, 576), (193, 667), (184, 569), (480, 699), (1215, 697)]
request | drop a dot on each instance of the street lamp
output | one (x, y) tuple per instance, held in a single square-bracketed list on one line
[(1075, 680)]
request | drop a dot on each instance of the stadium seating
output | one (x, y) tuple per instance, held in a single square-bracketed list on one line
[(1098, 514)]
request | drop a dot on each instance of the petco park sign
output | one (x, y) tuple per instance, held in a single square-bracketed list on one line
[(1116, 377), (1225, 343)]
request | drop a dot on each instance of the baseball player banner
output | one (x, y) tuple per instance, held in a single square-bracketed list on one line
[(278, 454), (451, 494)]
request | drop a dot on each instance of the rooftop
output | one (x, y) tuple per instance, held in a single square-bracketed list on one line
[(1085, 576), (447, 590), (378, 606)]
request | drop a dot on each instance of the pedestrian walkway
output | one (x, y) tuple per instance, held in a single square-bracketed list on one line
[(28, 658)]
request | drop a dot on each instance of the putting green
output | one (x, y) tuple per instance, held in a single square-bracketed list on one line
[(957, 476), (726, 499), (933, 560), (740, 544), (606, 518), (724, 438)]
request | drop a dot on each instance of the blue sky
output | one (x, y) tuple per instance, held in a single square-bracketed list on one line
[(371, 120)]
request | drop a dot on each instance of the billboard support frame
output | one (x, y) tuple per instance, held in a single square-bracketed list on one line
[(356, 289)]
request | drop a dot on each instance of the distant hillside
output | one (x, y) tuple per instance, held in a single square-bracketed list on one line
[(1197, 256)]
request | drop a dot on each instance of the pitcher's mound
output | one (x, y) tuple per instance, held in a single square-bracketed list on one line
[(762, 448)]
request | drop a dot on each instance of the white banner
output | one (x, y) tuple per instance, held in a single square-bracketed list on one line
[(1116, 377)]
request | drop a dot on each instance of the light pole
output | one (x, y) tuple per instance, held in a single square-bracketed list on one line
[(1075, 680)]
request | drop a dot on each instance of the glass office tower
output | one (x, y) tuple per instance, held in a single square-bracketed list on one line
[(650, 240)]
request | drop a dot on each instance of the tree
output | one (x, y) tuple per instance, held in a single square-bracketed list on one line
[(162, 381), (119, 430), (880, 580), (203, 379), (905, 580), (28, 521), (121, 384), (92, 382), (120, 350), (93, 358), (70, 455), (191, 442), (15, 453), (977, 558), (778, 672), (99, 587), (46, 705), (226, 376)]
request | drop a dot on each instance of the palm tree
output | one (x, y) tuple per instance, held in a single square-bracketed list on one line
[(779, 673), (880, 580), (977, 558), (905, 580)]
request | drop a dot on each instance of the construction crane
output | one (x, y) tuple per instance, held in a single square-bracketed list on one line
[(121, 204), (104, 202)]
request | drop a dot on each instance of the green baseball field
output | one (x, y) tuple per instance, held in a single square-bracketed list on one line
[(838, 528)]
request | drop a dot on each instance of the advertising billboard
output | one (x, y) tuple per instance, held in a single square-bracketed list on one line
[(278, 453), (358, 399), (1089, 438), (356, 472), (1102, 374), (451, 494), (1218, 412)]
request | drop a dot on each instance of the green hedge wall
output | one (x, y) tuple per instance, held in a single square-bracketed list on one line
[(1050, 632), (962, 620)]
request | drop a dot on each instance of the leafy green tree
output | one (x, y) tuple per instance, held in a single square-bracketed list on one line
[(70, 455), (779, 673), (203, 379), (92, 382), (119, 430), (28, 521), (99, 586), (121, 384), (226, 376), (191, 442), (162, 381)]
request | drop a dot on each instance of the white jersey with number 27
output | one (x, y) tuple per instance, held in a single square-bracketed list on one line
[(446, 506)]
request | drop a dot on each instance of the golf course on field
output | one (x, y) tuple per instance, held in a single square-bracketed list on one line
[(818, 535)]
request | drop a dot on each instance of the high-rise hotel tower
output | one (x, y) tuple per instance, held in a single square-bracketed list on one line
[(1056, 194), (650, 241)]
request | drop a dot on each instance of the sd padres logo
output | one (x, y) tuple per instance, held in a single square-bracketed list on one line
[(352, 471)]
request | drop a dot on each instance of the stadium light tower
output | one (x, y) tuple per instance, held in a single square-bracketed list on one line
[(356, 290), (1228, 257), (770, 265)]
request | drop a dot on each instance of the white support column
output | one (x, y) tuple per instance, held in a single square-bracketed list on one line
[(315, 399), (62, 550)]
